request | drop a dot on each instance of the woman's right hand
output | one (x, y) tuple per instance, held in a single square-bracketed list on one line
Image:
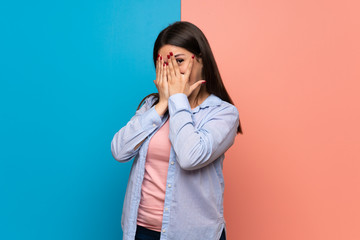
[(162, 86)]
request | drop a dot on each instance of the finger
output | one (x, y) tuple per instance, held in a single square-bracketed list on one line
[(189, 68), (196, 85), (176, 66), (157, 71), (171, 68), (161, 70), (168, 75), (164, 74), (158, 62)]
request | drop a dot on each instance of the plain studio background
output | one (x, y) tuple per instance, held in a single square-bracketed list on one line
[(73, 72)]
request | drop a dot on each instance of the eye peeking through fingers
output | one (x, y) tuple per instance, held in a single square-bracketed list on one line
[(179, 60)]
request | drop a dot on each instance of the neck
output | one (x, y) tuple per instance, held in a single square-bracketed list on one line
[(197, 97)]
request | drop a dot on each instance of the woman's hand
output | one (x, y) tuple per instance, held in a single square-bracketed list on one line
[(177, 82), (161, 83)]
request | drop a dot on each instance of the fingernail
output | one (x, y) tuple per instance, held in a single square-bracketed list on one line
[(171, 54), (203, 82), (167, 63), (193, 56), (160, 57), (168, 56), (164, 64)]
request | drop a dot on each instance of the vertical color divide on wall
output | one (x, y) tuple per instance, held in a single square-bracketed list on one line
[(72, 73), (292, 69)]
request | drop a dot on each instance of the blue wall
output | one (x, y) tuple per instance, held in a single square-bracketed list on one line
[(72, 74)]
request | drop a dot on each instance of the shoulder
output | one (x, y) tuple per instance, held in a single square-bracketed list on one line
[(220, 106), (148, 101)]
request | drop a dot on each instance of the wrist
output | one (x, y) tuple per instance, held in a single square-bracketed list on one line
[(173, 92), (161, 108)]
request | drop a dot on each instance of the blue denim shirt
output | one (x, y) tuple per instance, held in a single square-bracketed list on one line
[(193, 207)]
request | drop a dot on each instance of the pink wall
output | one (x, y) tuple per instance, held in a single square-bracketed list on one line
[(293, 70)]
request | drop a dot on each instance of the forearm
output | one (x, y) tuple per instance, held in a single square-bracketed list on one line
[(198, 146)]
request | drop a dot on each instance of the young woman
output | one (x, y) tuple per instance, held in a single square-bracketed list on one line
[(178, 138)]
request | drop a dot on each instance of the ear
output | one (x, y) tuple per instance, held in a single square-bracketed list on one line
[(199, 58)]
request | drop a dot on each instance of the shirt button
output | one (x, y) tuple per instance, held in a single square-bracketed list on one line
[(154, 125), (163, 230), (169, 185), (166, 209), (172, 162)]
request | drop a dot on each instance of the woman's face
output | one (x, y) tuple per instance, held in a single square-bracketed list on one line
[(183, 57)]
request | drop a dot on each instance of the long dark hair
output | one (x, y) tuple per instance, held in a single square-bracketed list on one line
[(186, 35)]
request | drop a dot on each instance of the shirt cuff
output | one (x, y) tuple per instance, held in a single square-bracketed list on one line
[(178, 102), (150, 119)]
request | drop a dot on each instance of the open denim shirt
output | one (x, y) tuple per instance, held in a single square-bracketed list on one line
[(193, 207)]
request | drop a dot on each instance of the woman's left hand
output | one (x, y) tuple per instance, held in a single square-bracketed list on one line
[(177, 82)]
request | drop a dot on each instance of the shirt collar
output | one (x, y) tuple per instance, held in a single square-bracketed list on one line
[(210, 101)]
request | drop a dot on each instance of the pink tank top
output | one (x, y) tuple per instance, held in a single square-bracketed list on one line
[(153, 188)]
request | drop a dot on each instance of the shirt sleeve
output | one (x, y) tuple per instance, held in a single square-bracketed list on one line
[(140, 126), (198, 147)]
